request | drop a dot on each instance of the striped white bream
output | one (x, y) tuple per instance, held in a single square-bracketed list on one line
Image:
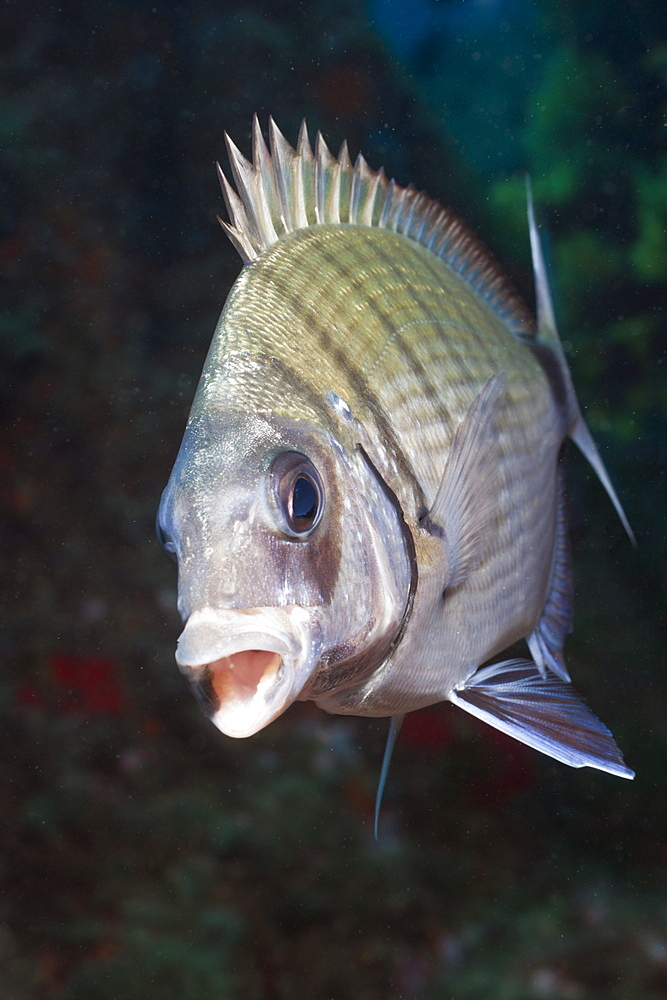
[(368, 504)]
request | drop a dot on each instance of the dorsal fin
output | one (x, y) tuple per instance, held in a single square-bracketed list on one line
[(288, 189)]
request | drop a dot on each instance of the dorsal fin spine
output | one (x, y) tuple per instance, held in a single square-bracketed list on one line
[(307, 161), (249, 186), (389, 206), (380, 197), (286, 189), (327, 183), (238, 231), (281, 156), (238, 241), (345, 184), (364, 192), (424, 205), (261, 160), (430, 227), (356, 186)]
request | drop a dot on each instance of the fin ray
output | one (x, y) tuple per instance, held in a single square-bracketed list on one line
[(305, 156), (584, 441), (547, 640), (327, 183)]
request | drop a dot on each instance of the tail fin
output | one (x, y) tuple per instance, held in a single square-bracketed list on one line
[(547, 333), (581, 436)]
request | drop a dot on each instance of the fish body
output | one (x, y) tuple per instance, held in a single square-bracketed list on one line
[(368, 504)]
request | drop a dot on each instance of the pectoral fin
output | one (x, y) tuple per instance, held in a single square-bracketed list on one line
[(466, 499), (543, 712)]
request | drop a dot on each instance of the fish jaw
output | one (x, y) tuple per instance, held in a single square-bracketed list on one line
[(246, 667)]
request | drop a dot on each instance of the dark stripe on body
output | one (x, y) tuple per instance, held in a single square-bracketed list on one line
[(519, 320), (354, 372), (302, 386), (427, 386), (310, 313), (431, 389), (408, 541)]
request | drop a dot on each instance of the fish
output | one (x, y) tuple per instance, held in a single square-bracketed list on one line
[(368, 506)]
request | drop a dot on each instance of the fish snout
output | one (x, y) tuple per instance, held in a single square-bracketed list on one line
[(242, 668)]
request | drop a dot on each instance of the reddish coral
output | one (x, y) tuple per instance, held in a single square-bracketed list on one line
[(87, 684), (84, 684)]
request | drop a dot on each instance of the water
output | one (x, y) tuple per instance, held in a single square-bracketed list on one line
[(146, 854)]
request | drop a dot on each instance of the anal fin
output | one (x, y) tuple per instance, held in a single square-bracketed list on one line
[(542, 711), (583, 439), (546, 641)]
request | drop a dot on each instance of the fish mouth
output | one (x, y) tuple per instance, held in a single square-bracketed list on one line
[(231, 683), (243, 681)]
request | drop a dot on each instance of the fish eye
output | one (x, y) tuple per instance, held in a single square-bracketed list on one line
[(164, 539), (298, 492)]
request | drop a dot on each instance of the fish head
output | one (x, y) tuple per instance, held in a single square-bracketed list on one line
[(292, 564)]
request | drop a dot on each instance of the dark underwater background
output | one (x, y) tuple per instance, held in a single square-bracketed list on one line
[(143, 854)]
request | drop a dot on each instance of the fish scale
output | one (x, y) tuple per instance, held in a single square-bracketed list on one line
[(367, 505)]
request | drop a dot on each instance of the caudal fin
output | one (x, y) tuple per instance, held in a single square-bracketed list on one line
[(583, 439), (547, 333)]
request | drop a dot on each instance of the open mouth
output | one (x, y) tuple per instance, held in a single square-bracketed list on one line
[(233, 682), (242, 669), (243, 691)]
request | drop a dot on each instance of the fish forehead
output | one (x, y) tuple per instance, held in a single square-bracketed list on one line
[(232, 450)]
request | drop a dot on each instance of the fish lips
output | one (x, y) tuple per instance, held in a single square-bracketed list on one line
[(243, 674)]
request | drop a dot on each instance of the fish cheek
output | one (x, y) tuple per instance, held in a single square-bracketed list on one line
[(312, 566), (349, 663)]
